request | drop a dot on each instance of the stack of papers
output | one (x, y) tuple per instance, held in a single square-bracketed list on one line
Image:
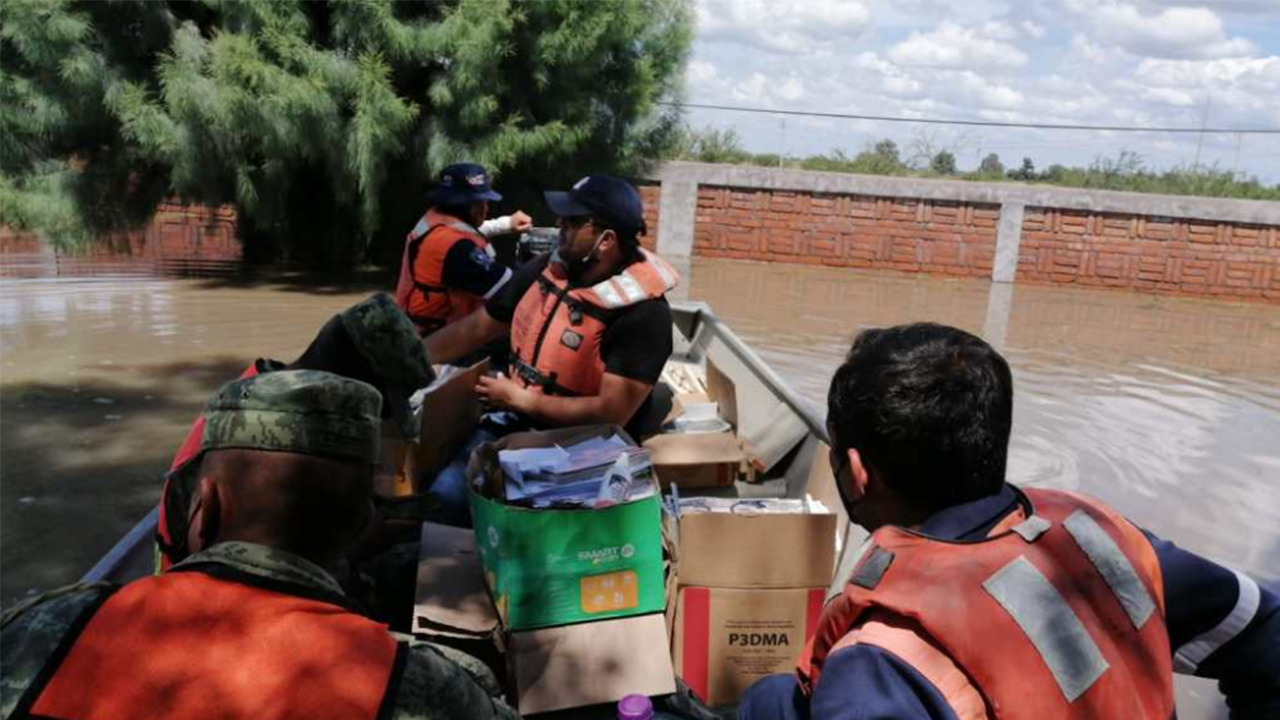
[(594, 473)]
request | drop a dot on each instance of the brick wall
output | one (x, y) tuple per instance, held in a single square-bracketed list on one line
[(1152, 254), (180, 238), (941, 237), (650, 195)]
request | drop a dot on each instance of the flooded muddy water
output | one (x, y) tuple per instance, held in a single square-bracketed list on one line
[(1169, 409)]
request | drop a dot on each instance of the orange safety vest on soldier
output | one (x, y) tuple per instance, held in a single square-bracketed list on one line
[(421, 291), (557, 330), (1053, 617), (187, 644)]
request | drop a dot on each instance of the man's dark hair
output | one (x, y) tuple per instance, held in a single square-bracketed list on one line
[(929, 408), (629, 239)]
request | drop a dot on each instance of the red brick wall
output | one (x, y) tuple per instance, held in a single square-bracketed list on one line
[(846, 230), (180, 237), (1150, 254), (650, 194)]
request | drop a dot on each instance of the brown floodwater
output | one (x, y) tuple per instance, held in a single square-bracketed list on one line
[(1166, 408)]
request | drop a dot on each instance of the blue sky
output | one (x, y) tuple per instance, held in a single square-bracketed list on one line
[(1180, 63)]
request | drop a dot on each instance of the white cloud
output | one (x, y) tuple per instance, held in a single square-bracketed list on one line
[(792, 89), (783, 26), (701, 72), (1032, 29), (1172, 32), (754, 89), (953, 46)]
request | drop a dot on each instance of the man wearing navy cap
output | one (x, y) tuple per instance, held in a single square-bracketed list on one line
[(590, 325), (449, 269)]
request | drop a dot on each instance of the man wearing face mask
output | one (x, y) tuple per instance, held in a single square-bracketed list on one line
[(590, 325)]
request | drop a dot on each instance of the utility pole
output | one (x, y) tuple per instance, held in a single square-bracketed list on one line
[(1204, 122), (782, 152), (1235, 166)]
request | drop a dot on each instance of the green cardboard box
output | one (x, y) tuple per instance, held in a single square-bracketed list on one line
[(557, 567)]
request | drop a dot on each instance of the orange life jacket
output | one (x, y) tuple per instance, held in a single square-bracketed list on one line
[(190, 447), (1059, 616), (557, 330), (421, 291), (189, 645)]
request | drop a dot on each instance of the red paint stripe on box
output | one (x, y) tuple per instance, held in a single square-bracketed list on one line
[(697, 638)]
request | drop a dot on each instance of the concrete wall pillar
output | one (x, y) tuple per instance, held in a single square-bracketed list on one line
[(1008, 236), (677, 212)]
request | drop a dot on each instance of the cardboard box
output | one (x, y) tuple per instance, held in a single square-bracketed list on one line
[(767, 550), (697, 460), (727, 638), (391, 478), (450, 598), (450, 413), (590, 663), (555, 567)]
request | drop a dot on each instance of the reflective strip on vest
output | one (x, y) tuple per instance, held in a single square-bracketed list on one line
[(631, 288), (665, 271), (1049, 623), (1113, 566), (609, 297)]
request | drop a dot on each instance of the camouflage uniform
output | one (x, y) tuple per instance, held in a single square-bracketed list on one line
[(388, 341), (306, 412)]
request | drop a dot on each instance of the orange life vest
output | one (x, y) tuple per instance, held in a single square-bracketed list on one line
[(165, 535), (421, 291), (189, 645), (1058, 617), (557, 330)]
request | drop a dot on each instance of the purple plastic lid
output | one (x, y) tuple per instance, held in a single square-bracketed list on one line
[(635, 707)]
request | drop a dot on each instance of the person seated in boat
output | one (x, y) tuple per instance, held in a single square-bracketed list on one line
[(978, 599), (372, 341), (449, 269), (252, 624), (589, 323)]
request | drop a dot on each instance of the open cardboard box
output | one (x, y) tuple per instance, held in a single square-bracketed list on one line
[(548, 567), (450, 413), (548, 668), (700, 460)]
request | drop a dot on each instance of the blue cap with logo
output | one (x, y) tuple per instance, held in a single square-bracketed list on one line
[(604, 196), (462, 183)]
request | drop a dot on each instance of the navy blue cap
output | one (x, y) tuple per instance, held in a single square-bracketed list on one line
[(604, 196), (462, 183)]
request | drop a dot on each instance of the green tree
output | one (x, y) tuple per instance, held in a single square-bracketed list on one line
[(944, 163), (991, 165), (1026, 172), (323, 122)]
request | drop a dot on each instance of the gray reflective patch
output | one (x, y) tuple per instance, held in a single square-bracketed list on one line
[(872, 569), (1050, 624), (1032, 528), (1113, 566)]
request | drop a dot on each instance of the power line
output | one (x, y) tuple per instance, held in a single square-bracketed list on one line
[(979, 123)]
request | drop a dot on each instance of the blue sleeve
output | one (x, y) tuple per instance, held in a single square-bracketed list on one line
[(1222, 625), (864, 682), (471, 269)]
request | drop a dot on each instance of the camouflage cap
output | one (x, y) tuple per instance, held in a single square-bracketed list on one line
[(302, 411), (387, 339)]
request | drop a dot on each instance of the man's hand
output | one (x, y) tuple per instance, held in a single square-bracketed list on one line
[(521, 222), (503, 393)]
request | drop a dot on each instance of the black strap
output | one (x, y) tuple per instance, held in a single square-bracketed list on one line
[(576, 305), (387, 709), (532, 376)]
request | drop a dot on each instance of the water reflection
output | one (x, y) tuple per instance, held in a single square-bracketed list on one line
[(1167, 408)]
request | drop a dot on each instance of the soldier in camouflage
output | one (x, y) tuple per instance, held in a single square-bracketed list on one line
[(372, 341), (277, 449)]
